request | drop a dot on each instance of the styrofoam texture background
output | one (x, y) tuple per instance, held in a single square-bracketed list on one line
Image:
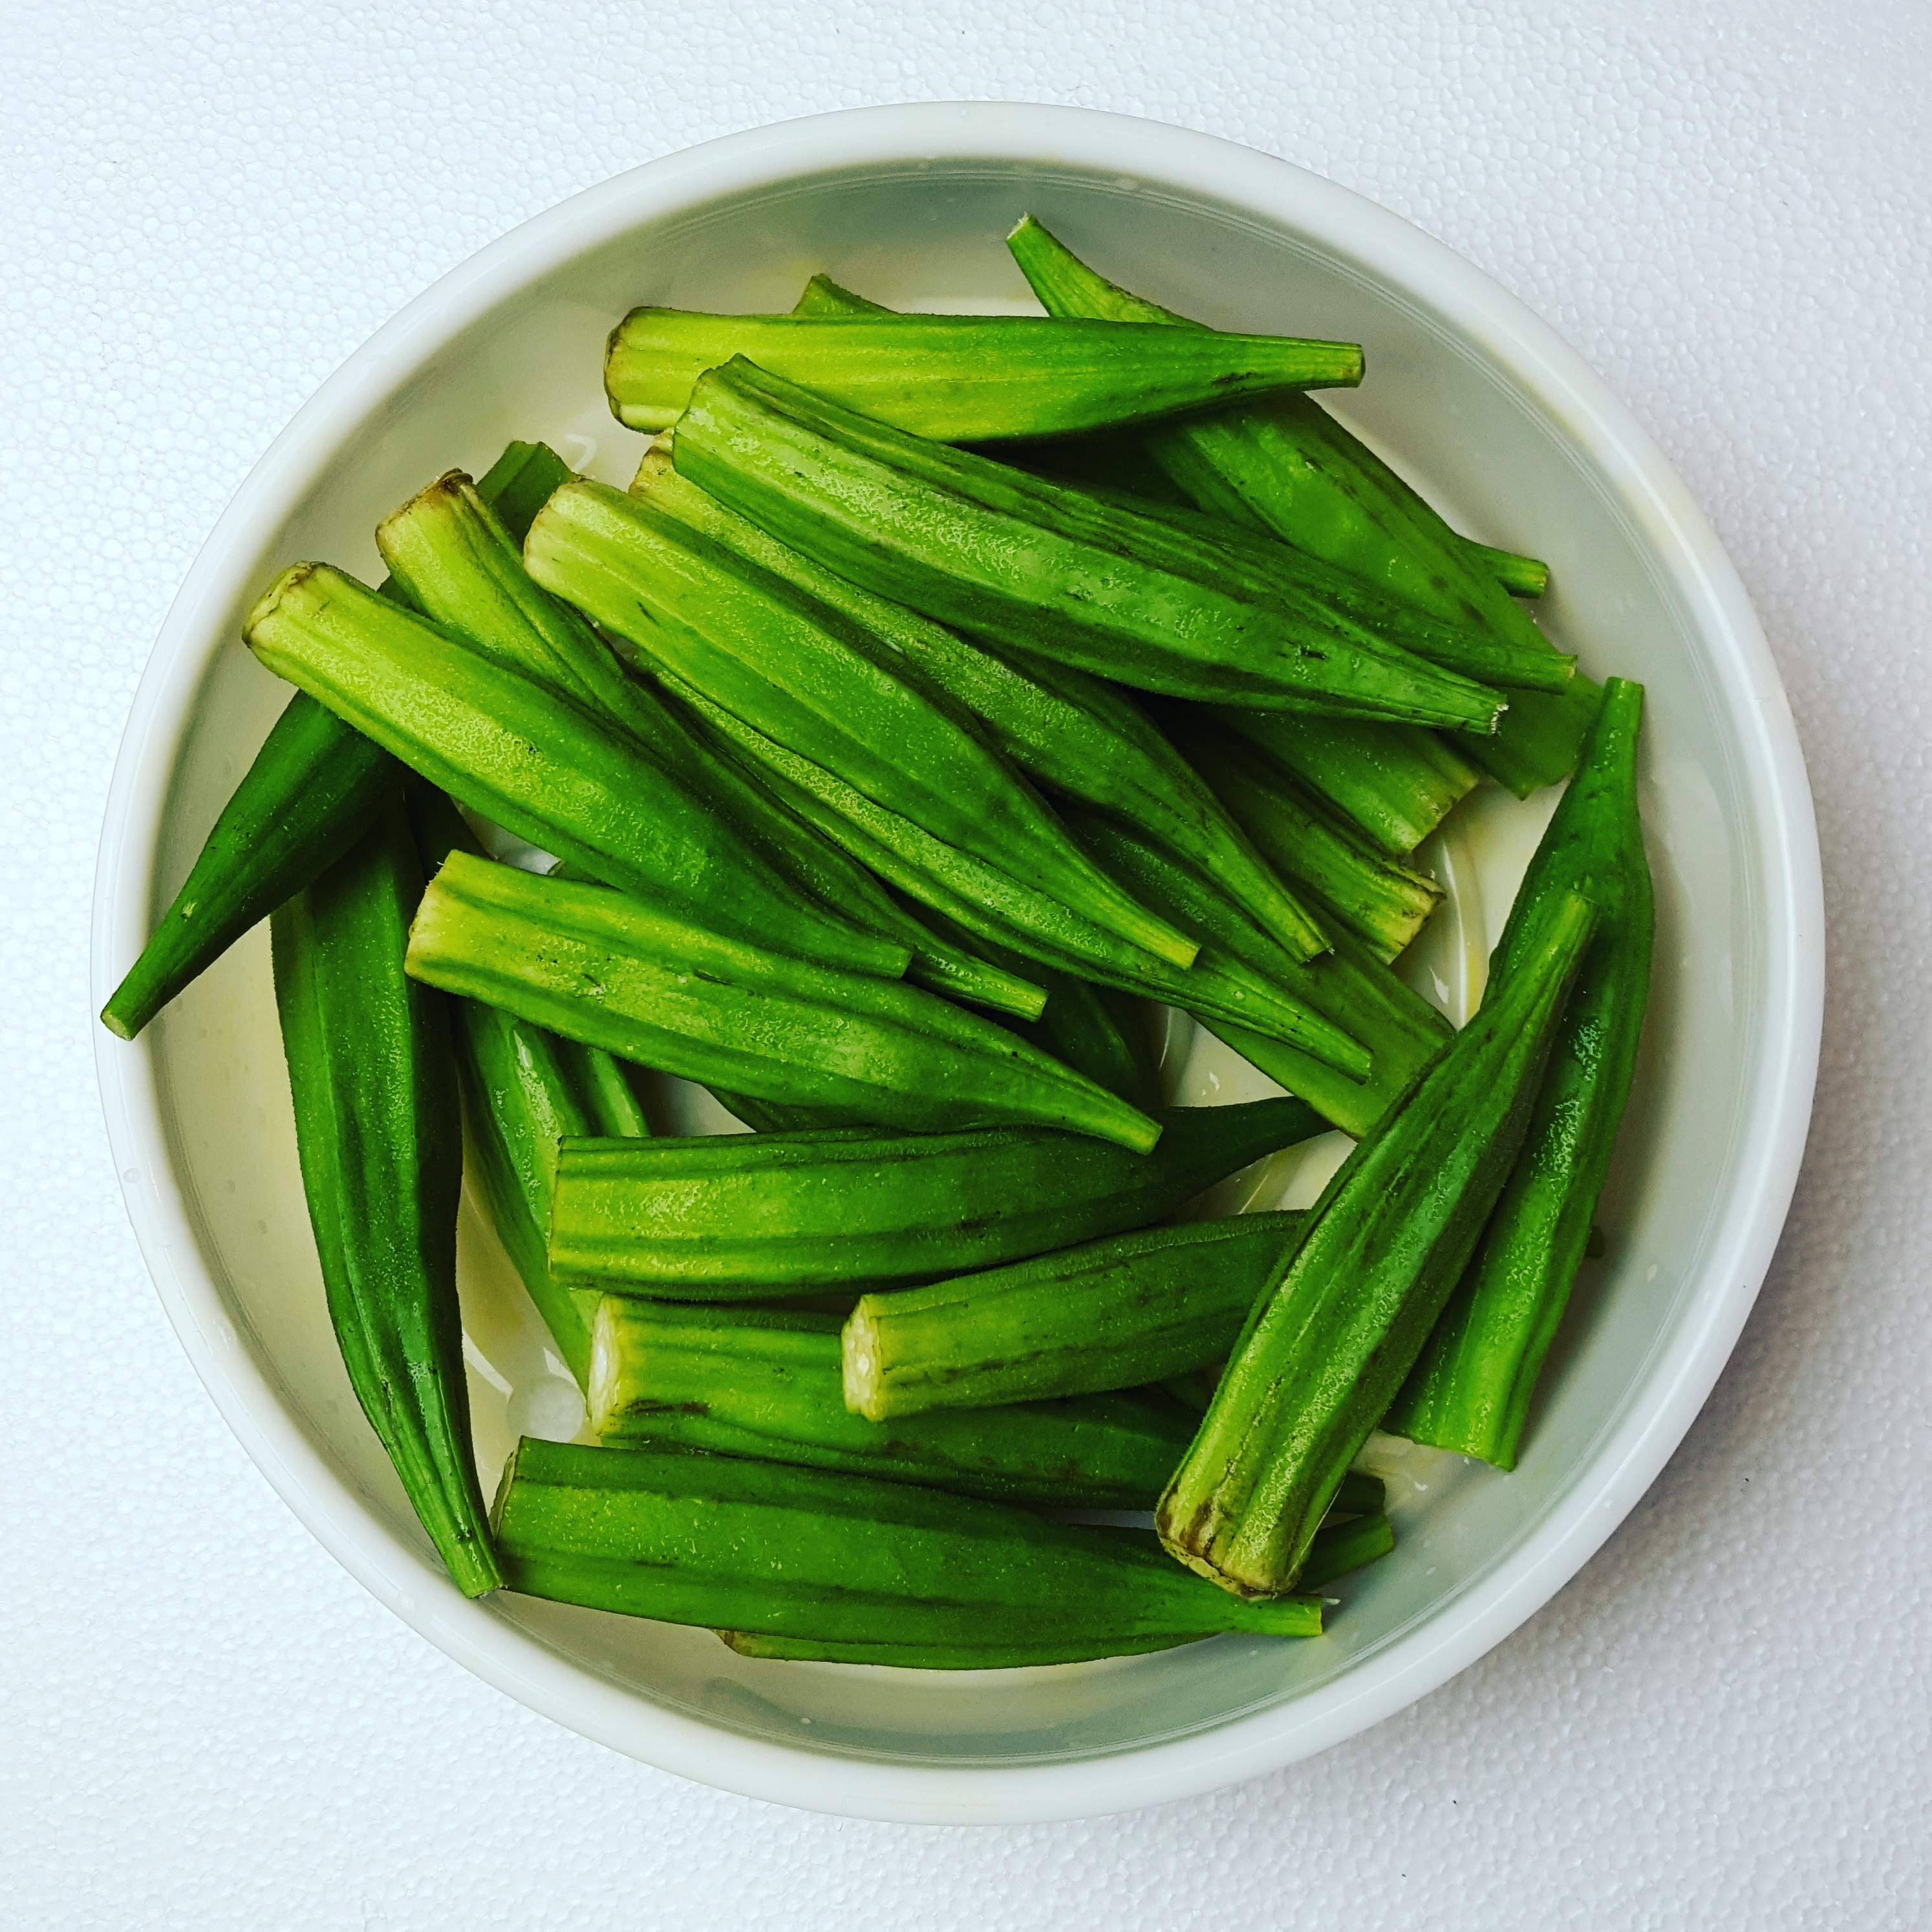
[(1725, 1720)]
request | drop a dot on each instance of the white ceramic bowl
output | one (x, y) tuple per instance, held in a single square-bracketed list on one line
[(1486, 409)]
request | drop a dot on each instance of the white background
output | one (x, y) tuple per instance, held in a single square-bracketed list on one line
[(1726, 1720)]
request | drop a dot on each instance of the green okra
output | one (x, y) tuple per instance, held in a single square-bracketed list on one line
[(602, 967), (314, 788), (1333, 1336), (1110, 1314), (524, 1088), (983, 900), (379, 1138), (729, 1543), (1286, 466), (1471, 1390), (1394, 783), (1101, 456), (745, 1216), (1338, 1548), (510, 748), (758, 1382), (1043, 567), (822, 686), (962, 378), (1066, 730), (1383, 902)]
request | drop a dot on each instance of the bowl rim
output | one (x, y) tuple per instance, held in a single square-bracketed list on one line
[(1636, 1444)]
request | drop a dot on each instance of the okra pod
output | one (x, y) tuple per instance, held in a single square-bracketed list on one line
[(1395, 783), (1332, 1337), (1043, 567), (510, 748), (1338, 1548), (1383, 902), (815, 682), (1287, 466), (720, 1541), (766, 1383), (608, 970), (380, 1139), (1470, 1390), (1110, 1314), (745, 1216), (959, 378), (1068, 731), (314, 788)]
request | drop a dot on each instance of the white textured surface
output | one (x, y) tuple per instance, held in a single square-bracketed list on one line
[(1725, 1720)]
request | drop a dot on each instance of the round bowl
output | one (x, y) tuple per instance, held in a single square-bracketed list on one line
[(1489, 413)]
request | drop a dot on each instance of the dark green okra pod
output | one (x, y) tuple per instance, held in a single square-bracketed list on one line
[(1047, 569), (1352, 1302), (745, 1216), (742, 1381), (378, 1130), (1470, 1390), (736, 1544), (1338, 1548), (612, 971)]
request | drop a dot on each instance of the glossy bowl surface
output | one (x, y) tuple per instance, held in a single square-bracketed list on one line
[(1487, 411)]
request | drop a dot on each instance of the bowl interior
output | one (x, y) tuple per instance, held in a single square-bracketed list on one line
[(1477, 440)]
